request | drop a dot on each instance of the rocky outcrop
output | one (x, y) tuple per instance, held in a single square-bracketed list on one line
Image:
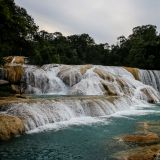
[(14, 60), (10, 126), (13, 73)]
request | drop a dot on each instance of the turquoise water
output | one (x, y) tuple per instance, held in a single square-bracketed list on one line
[(96, 141)]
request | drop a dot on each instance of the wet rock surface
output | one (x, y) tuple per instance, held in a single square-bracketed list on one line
[(10, 126), (141, 139), (143, 145), (141, 153)]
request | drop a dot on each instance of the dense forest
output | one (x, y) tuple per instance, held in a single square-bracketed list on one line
[(19, 35)]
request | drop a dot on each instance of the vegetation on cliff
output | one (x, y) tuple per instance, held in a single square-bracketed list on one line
[(19, 35)]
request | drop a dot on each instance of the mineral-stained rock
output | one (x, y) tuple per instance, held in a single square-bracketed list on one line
[(110, 89), (10, 126), (103, 74), (140, 153), (84, 68), (142, 139), (14, 59), (13, 73), (70, 75), (134, 72)]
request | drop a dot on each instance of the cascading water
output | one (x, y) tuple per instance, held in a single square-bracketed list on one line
[(151, 77), (95, 80), (86, 85), (41, 112), (42, 80)]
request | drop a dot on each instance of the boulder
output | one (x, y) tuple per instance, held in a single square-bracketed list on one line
[(10, 126)]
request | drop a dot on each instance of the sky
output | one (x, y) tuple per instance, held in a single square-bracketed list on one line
[(103, 20)]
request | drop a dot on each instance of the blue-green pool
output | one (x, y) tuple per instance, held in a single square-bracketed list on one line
[(96, 141)]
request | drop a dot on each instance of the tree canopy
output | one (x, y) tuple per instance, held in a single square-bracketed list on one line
[(19, 35)]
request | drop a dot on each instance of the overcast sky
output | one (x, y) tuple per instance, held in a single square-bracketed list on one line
[(104, 20)]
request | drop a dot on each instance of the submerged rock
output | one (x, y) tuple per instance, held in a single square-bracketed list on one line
[(10, 126), (140, 153), (149, 126), (141, 139)]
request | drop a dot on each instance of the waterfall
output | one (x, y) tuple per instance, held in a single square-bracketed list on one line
[(43, 80), (93, 90), (151, 77), (41, 112), (94, 80)]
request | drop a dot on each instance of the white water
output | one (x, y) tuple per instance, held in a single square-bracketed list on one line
[(68, 80), (151, 77), (46, 114), (102, 81), (43, 111)]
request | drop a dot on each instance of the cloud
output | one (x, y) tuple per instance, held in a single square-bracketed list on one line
[(104, 20)]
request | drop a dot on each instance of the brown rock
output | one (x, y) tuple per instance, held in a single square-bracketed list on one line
[(10, 126), (141, 153), (84, 68), (134, 72), (103, 74), (14, 59), (142, 139), (13, 73), (110, 89)]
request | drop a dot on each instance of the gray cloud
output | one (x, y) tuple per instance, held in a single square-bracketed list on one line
[(104, 20)]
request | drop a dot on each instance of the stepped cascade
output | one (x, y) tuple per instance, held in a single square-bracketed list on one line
[(88, 91), (39, 113), (89, 80)]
